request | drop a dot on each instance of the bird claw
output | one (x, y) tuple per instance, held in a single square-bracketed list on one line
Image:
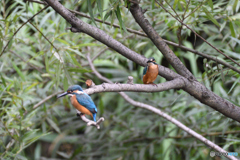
[(92, 123), (153, 84)]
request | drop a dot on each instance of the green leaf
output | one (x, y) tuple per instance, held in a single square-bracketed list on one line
[(107, 15), (75, 61), (119, 17), (210, 3), (175, 4), (63, 154), (236, 40), (1, 45), (210, 16), (68, 75), (100, 7), (232, 29), (34, 139), (18, 71), (10, 43), (76, 152), (91, 11), (86, 44), (80, 70), (142, 153), (101, 106), (3, 80), (31, 86), (113, 18), (37, 151), (62, 41), (234, 84), (151, 149), (53, 125), (58, 72), (65, 83)]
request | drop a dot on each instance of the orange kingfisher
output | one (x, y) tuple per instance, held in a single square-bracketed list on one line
[(81, 101), (150, 72)]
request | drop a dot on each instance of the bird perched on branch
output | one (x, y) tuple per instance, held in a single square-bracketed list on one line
[(150, 72), (81, 101)]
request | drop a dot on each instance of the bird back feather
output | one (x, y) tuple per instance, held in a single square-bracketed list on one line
[(145, 70), (86, 101)]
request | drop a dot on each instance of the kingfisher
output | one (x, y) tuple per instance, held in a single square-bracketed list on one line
[(150, 72), (81, 101)]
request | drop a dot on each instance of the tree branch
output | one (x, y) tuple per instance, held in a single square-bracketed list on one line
[(192, 86), (142, 21), (108, 87), (157, 111), (144, 35), (46, 99)]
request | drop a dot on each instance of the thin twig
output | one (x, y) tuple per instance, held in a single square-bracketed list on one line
[(195, 9), (46, 99), (33, 66), (21, 27), (173, 10), (47, 40), (186, 9), (97, 55)]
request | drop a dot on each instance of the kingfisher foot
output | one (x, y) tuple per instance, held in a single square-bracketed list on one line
[(97, 124), (153, 84), (80, 114), (90, 122)]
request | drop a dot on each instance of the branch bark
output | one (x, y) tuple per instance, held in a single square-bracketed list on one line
[(108, 87), (192, 86)]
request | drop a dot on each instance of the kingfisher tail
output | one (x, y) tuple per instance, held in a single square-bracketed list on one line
[(94, 116)]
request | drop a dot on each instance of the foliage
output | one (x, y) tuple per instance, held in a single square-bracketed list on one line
[(32, 68)]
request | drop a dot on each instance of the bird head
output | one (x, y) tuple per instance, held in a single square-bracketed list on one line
[(151, 60), (75, 89)]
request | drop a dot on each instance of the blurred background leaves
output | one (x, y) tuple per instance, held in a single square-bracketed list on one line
[(31, 69)]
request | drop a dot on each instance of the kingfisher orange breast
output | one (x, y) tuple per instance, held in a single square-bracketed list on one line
[(151, 74), (79, 107)]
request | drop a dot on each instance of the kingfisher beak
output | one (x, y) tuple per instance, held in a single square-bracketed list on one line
[(150, 61), (63, 94)]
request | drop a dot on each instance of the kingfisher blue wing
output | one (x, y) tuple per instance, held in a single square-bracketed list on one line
[(145, 70), (86, 101)]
